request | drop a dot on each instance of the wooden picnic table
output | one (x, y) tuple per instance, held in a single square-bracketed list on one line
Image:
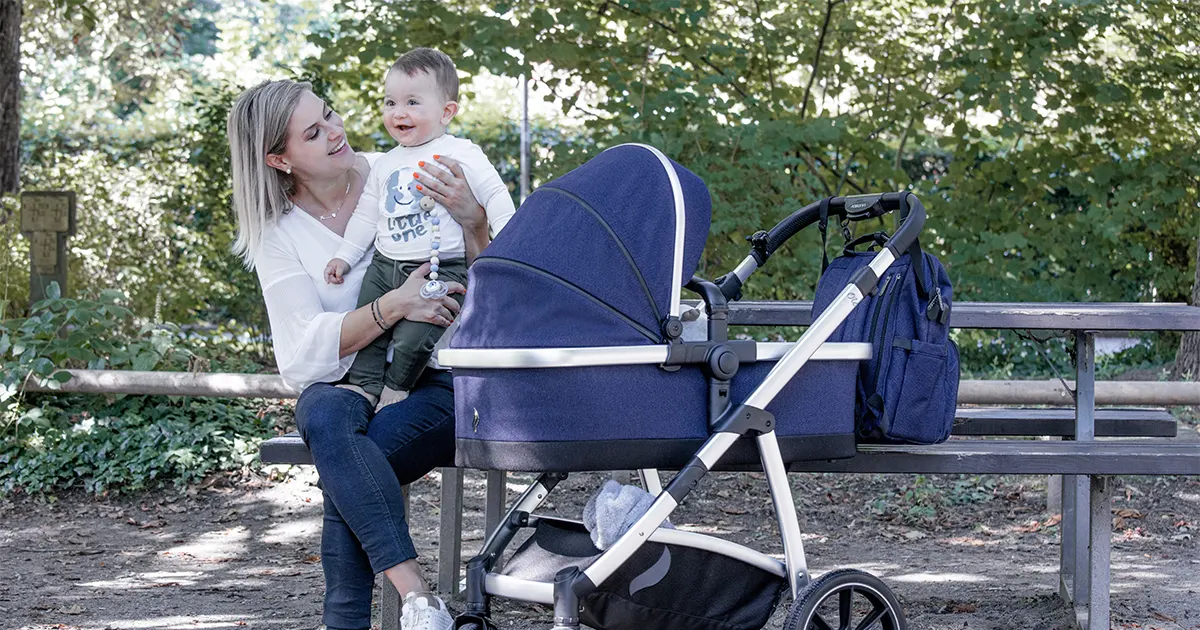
[(1087, 466)]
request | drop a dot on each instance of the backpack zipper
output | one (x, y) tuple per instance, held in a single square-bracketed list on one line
[(887, 281), (879, 300), (883, 335)]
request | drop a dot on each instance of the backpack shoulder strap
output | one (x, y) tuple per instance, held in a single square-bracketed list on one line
[(823, 225), (924, 284)]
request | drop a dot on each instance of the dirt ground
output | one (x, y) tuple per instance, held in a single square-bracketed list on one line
[(959, 552)]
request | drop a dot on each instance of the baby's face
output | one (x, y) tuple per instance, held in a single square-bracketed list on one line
[(415, 110)]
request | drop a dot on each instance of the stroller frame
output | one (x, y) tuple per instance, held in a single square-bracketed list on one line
[(728, 423)]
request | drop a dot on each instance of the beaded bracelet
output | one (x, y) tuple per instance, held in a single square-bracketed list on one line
[(378, 315)]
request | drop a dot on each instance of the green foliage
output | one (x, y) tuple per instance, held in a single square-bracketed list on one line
[(1020, 355), (130, 443), (128, 109), (501, 142), (124, 443), (81, 333), (1054, 163), (102, 334)]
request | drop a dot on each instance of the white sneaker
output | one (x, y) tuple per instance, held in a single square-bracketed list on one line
[(425, 611)]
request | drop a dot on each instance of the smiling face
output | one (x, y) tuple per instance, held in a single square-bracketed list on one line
[(316, 142), (415, 109)]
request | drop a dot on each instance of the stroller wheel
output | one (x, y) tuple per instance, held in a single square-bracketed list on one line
[(846, 598)]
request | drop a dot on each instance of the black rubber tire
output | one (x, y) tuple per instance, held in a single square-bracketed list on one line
[(855, 598)]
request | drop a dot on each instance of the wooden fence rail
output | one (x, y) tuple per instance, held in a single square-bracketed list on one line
[(970, 392)]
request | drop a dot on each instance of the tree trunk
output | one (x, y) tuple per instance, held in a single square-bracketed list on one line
[(10, 95), (1187, 360)]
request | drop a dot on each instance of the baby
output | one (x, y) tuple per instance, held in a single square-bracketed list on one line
[(409, 228)]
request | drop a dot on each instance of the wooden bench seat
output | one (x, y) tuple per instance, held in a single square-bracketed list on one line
[(976, 421), (1022, 457), (285, 449)]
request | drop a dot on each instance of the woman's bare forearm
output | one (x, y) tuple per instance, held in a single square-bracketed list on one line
[(358, 331), (362, 325)]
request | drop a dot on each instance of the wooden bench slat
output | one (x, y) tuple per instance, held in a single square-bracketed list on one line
[(1010, 422), (1031, 457), (285, 449), (1005, 422), (1004, 315)]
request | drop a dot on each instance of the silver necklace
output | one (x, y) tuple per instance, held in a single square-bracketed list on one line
[(331, 215)]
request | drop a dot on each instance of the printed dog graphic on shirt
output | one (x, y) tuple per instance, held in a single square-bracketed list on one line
[(406, 220), (403, 196)]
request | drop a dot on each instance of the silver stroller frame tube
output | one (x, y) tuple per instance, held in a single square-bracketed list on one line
[(746, 419), (772, 460)]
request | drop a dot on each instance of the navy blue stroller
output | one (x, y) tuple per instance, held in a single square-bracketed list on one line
[(571, 356)]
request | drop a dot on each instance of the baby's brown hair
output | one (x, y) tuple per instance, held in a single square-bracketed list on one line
[(438, 64)]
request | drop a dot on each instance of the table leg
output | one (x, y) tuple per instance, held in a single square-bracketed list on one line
[(497, 486), (1100, 555), (389, 604), (1076, 568), (450, 535), (1074, 553)]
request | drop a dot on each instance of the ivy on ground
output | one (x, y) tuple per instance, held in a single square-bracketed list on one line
[(51, 442)]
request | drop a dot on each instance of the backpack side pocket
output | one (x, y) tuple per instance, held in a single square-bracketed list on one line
[(922, 411)]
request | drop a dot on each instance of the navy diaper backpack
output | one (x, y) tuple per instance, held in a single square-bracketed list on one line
[(908, 391)]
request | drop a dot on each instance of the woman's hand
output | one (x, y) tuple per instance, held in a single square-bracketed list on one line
[(405, 301), (447, 184)]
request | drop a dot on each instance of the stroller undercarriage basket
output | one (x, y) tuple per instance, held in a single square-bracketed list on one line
[(664, 585), (571, 356)]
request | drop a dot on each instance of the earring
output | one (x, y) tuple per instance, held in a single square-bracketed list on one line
[(289, 170)]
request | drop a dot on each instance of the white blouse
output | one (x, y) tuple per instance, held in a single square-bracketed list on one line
[(306, 312)]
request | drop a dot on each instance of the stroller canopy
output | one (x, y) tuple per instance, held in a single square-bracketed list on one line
[(596, 257)]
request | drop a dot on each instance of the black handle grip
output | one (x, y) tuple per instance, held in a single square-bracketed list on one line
[(854, 208), (912, 221)]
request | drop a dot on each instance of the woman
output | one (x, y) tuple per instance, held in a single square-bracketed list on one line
[(295, 183)]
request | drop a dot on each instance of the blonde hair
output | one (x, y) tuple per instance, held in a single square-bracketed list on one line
[(257, 127)]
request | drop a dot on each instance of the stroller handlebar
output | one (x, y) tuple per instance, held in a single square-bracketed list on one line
[(852, 208)]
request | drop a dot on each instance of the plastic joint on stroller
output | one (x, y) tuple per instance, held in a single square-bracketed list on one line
[(570, 574)]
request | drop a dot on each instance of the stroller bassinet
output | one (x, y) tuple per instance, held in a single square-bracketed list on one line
[(571, 356), (586, 278)]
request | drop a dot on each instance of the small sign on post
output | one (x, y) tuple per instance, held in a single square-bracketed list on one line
[(47, 219)]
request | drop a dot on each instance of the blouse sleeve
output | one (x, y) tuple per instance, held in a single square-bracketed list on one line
[(306, 338)]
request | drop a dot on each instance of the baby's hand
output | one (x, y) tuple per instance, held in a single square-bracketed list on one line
[(336, 270)]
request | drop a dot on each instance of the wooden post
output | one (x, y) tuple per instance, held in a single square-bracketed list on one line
[(47, 219)]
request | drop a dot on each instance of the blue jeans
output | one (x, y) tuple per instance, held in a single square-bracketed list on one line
[(363, 458)]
